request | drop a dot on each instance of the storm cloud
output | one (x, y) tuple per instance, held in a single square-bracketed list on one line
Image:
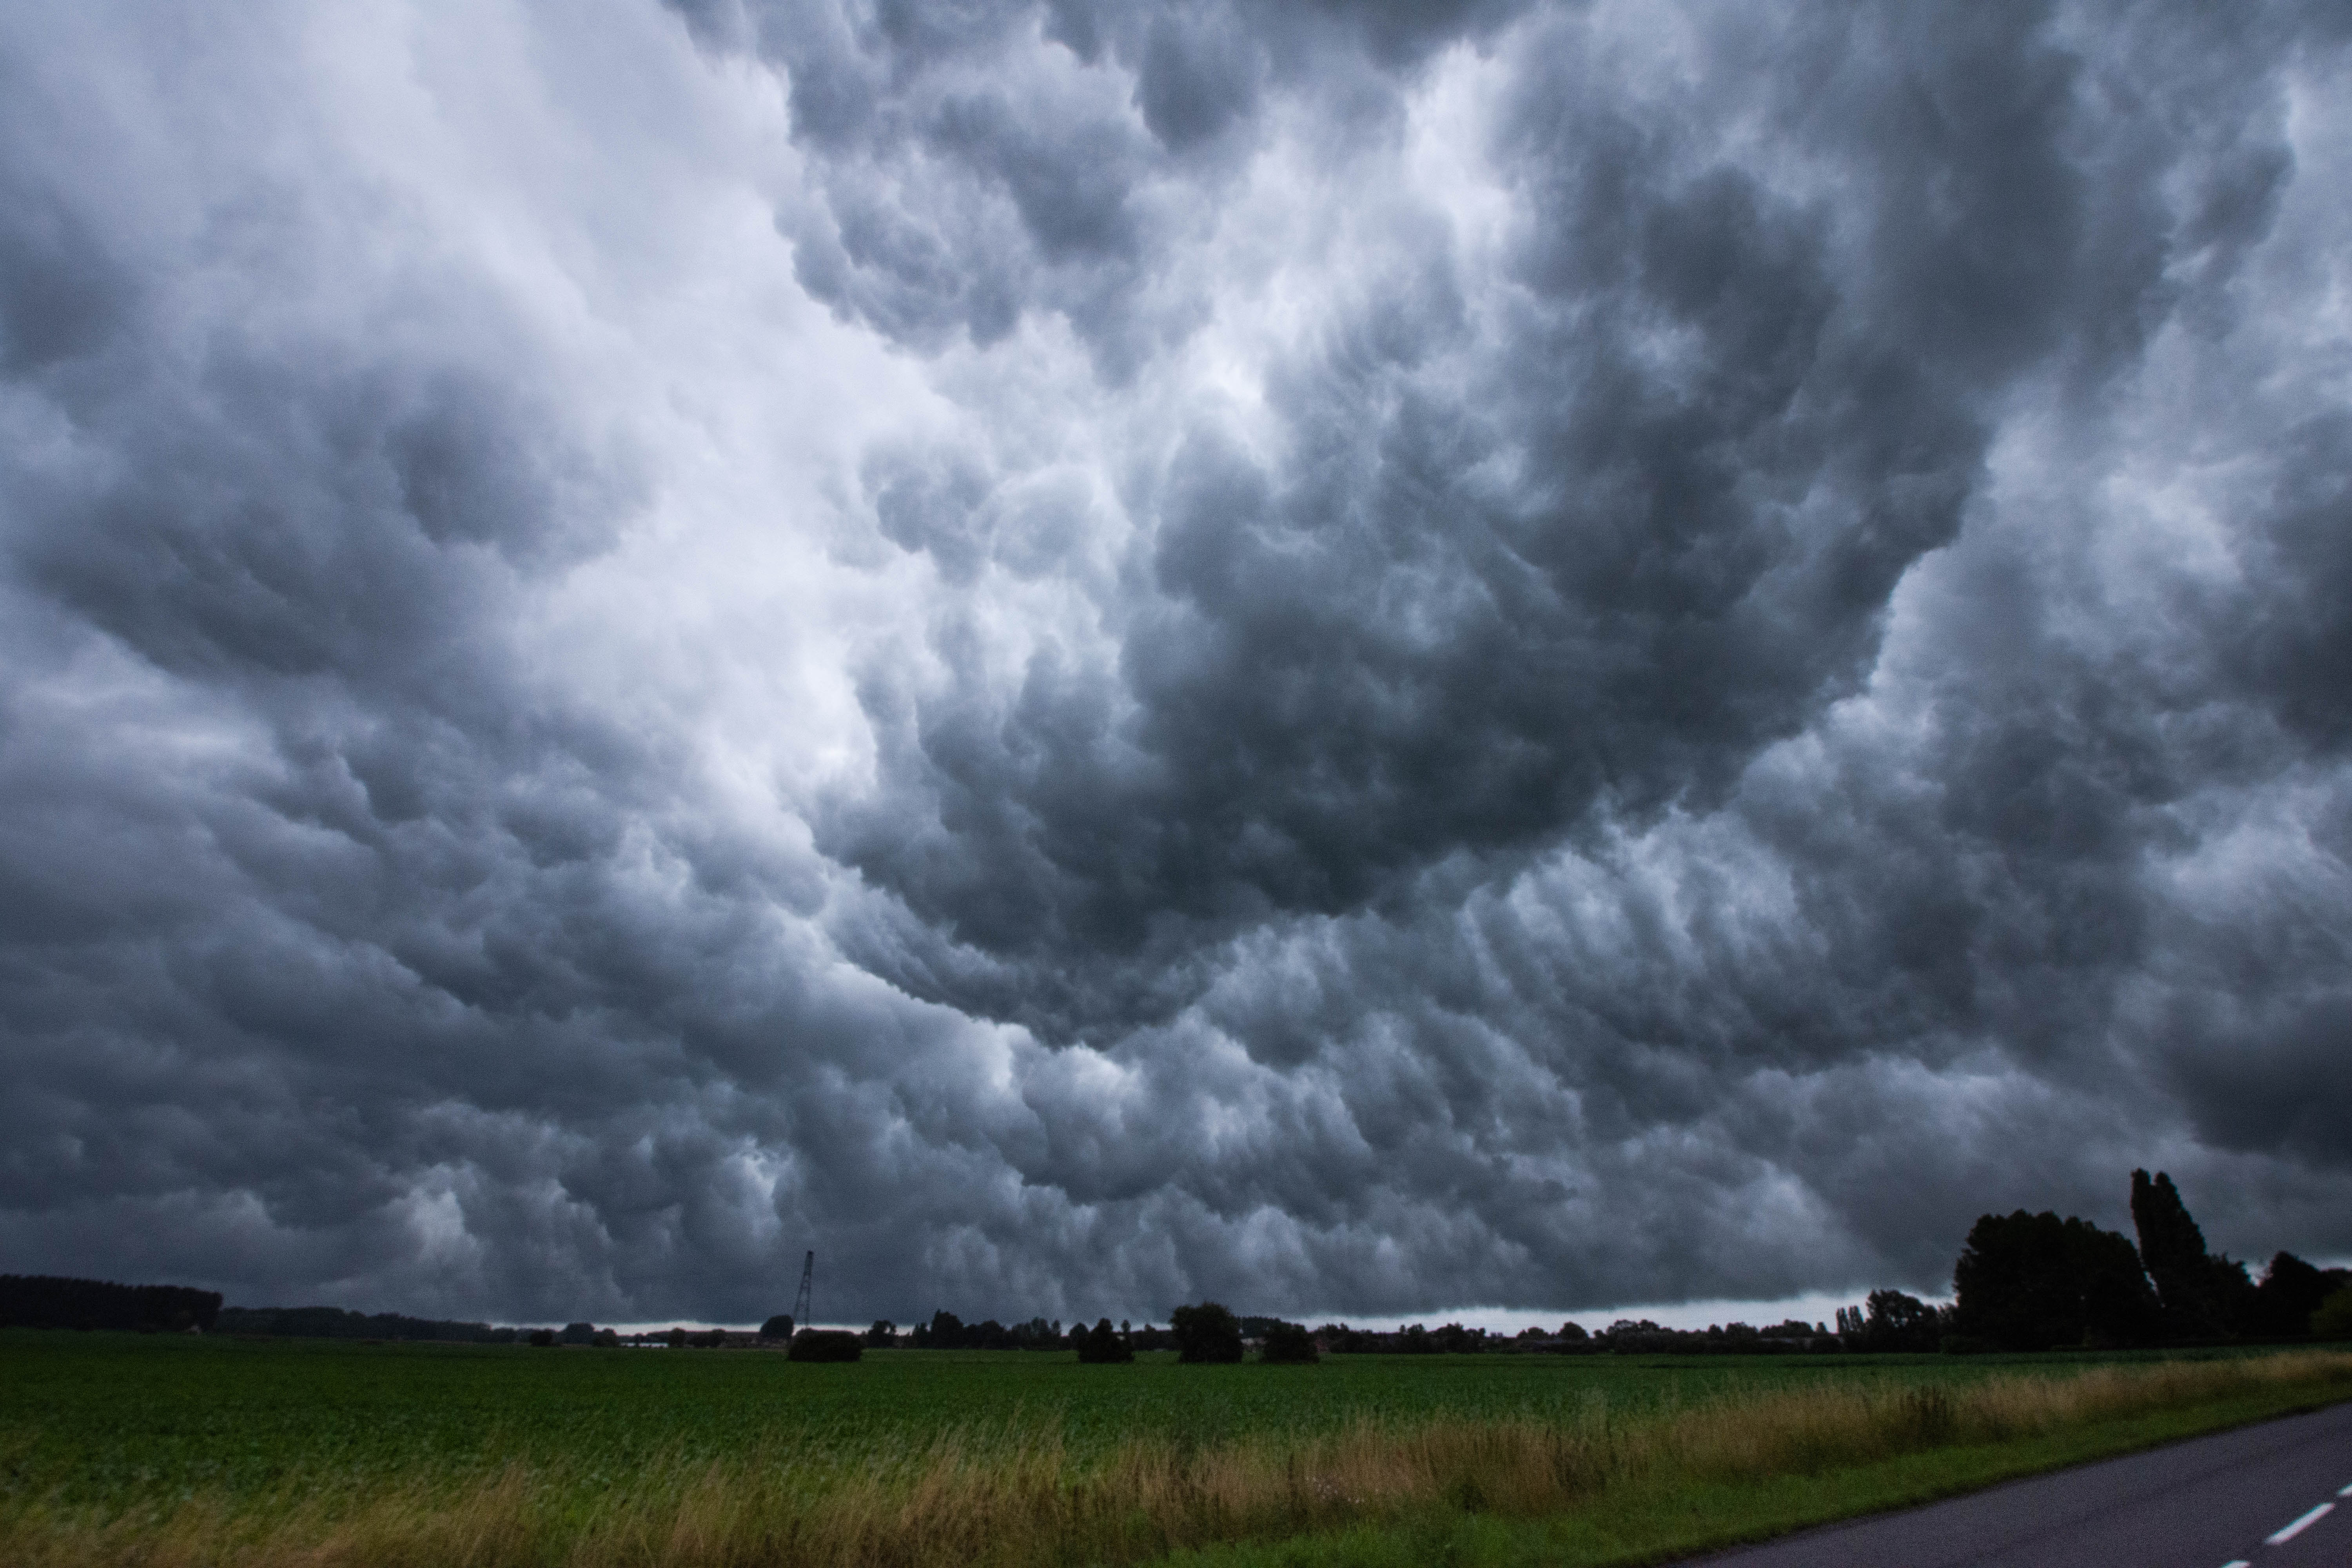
[(1355, 657)]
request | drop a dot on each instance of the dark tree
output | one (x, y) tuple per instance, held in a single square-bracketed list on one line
[(2204, 1297), (2334, 1319), (825, 1344), (1101, 1345), (1573, 1334), (578, 1333), (1206, 1333), (2030, 1281), (1289, 1343), (1339, 1338), (779, 1327), (542, 1339), (2289, 1292), (883, 1334), (676, 1339), (1036, 1334), (1890, 1320)]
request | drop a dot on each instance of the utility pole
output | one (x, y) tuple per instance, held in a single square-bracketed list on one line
[(801, 1301)]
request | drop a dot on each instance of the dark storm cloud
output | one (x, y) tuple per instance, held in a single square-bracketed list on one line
[(1733, 408), (1591, 552), (1405, 656)]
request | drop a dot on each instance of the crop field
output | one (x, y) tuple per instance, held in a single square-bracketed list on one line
[(111, 1420), (172, 1451)]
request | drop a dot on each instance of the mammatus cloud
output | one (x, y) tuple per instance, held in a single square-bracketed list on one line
[(1357, 659)]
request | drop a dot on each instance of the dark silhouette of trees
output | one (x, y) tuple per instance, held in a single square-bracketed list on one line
[(2204, 1297), (1890, 1320), (542, 1339), (2333, 1320), (779, 1327), (1288, 1342), (1101, 1345), (825, 1344), (335, 1323), (883, 1334), (1206, 1332), (49, 1301), (2290, 1291), (946, 1332), (2030, 1281)]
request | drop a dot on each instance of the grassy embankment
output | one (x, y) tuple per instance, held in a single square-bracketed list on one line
[(166, 1453)]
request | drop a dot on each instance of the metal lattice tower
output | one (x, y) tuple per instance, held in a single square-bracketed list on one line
[(800, 1299)]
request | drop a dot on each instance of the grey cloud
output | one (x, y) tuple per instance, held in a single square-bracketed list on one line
[(64, 293), (1356, 671), (1192, 81), (1380, 655), (967, 177)]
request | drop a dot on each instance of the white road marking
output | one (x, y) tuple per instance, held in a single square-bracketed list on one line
[(2300, 1525)]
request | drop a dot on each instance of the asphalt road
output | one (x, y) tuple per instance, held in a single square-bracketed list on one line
[(2274, 1496)]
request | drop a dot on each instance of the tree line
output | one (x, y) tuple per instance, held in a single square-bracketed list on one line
[(2035, 1282), (2023, 1282), (49, 1301)]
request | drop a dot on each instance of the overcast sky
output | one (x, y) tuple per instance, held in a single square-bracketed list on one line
[(1357, 657)]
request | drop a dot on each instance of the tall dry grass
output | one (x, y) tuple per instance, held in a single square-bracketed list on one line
[(967, 1503)]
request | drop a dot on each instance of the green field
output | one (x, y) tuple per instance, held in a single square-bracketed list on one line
[(100, 1430), (113, 1419)]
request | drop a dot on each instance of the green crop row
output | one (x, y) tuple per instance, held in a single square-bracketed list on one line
[(107, 1422)]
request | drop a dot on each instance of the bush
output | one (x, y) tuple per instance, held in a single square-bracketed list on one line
[(542, 1339), (779, 1327), (825, 1344), (1101, 1345), (2334, 1319), (1206, 1333), (1289, 1343)]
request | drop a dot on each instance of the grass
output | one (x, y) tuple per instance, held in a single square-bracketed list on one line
[(169, 1453)]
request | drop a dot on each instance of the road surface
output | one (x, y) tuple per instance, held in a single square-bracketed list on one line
[(2274, 1496)]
